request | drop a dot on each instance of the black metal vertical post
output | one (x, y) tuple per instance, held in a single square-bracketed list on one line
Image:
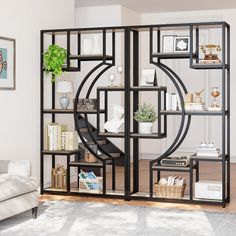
[(104, 178), (41, 114), (223, 115), (150, 44), (228, 109), (191, 45), (53, 103), (79, 50), (191, 180), (98, 111), (135, 107), (165, 116), (106, 106), (68, 49), (127, 113), (113, 175), (113, 48), (158, 43), (68, 173), (104, 45), (197, 45), (158, 112)]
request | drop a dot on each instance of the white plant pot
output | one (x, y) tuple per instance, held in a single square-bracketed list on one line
[(145, 127)]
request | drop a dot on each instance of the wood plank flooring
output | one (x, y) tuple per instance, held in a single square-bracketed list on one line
[(208, 171)]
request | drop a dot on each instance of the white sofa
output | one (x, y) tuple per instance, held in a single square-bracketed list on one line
[(17, 193)]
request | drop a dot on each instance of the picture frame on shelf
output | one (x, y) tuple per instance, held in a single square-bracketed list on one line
[(91, 44), (181, 44), (7, 63), (148, 77), (168, 43)]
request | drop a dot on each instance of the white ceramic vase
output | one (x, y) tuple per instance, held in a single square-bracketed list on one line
[(145, 127)]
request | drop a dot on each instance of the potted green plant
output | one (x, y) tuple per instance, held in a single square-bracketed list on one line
[(54, 58), (145, 115)]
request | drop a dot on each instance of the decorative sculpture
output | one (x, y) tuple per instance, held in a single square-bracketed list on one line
[(117, 120)]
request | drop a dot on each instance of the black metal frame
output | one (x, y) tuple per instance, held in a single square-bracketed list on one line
[(107, 61)]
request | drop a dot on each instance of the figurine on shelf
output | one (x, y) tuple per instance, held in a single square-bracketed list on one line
[(215, 104), (120, 71), (209, 55), (198, 98), (117, 120), (111, 78)]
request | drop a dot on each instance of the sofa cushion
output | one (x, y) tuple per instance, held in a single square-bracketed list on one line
[(20, 167), (13, 185)]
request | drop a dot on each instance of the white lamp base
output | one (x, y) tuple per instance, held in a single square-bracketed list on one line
[(64, 101)]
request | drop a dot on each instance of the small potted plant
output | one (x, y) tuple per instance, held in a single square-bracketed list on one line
[(54, 58), (145, 115)]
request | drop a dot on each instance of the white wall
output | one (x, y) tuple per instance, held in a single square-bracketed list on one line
[(20, 109)]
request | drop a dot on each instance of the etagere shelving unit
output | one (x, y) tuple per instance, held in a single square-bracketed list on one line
[(132, 89)]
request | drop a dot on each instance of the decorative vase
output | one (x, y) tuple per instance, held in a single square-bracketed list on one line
[(145, 127)]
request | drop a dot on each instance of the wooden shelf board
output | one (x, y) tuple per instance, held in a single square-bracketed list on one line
[(196, 113), (86, 164), (62, 152), (171, 55), (132, 135), (90, 57)]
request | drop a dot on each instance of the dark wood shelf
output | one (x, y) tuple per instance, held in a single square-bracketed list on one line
[(71, 111), (172, 55), (193, 113), (133, 135), (148, 88), (172, 168), (86, 164), (91, 57), (208, 66), (62, 152), (133, 88)]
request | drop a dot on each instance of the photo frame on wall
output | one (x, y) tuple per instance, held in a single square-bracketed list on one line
[(148, 77), (168, 43), (7, 63), (181, 44)]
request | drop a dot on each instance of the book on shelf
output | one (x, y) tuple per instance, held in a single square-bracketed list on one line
[(59, 138), (195, 106), (71, 140), (173, 102)]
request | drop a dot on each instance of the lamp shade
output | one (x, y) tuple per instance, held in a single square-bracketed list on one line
[(64, 87)]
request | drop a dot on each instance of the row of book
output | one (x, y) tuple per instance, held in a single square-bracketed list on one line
[(89, 181), (173, 181), (59, 138)]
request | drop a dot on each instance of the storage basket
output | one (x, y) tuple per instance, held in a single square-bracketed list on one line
[(84, 185), (166, 191)]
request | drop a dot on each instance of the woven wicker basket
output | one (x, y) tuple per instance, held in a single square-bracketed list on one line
[(164, 191)]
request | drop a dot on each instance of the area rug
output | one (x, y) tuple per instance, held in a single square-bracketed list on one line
[(87, 219)]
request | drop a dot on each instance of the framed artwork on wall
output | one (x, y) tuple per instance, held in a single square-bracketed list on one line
[(168, 43), (7, 63), (181, 44)]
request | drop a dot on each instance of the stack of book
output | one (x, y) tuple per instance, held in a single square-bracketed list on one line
[(195, 106), (175, 180), (208, 151), (59, 138), (88, 181)]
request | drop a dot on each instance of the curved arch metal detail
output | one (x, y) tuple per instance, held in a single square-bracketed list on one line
[(178, 140)]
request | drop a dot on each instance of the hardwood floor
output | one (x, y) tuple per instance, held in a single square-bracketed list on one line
[(208, 171)]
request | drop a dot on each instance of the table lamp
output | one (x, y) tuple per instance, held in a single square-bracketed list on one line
[(64, 87)]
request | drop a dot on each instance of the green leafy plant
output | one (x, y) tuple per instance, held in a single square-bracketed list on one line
[(145, 113), (54, 58)]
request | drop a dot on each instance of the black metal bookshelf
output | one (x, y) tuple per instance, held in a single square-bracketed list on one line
[(132, 89)]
